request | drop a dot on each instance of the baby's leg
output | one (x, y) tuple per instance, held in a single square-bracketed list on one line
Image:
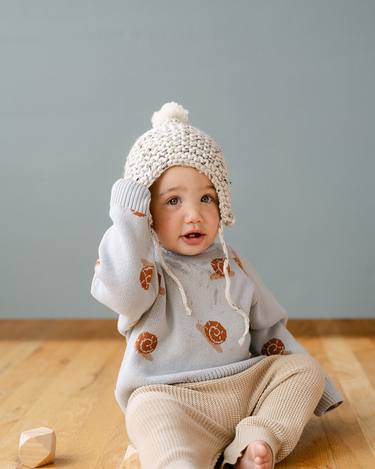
[(171, 434), (289, 392)]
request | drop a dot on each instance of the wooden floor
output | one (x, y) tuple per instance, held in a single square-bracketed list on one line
[(61, 374)]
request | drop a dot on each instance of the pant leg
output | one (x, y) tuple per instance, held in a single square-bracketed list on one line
[(287, 391), (170, 433)]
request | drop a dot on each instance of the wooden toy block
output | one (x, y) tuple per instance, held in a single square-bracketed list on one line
[(37, 447), (131, 460)]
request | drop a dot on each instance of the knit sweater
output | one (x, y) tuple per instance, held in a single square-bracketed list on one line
[(165, 345)]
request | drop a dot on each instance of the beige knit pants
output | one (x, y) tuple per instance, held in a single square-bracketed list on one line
[(188, 426)]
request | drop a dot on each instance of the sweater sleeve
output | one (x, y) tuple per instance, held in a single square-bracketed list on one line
[(269, 336), (125, 276)]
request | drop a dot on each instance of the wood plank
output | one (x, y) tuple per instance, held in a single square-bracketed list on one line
[(357, 387), (11, 334), (344, 436), (345, 439), (364, 351), (287, 463), (26, 379), (77, 380), (14, 358), (118, 441), (34, 355), (61, 374), (313, 449), (104, 419)]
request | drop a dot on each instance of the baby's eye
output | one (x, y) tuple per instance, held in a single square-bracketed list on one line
[(174, 201), (206, 199)]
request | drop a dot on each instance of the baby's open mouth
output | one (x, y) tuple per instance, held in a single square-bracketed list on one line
[(193, 235)]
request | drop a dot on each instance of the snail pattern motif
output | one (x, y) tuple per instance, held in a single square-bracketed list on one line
[(145, 344), (274, 347), (218, 266), (161, 289), (187, 380), (124, 209), (238, 262), (214, 333), (138, 214), (146, 274)]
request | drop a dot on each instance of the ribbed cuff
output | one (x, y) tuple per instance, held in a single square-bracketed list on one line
[(131, 194), (331, 396), (245, 435)]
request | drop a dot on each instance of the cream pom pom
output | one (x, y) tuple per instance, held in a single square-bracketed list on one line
[(170, 111)]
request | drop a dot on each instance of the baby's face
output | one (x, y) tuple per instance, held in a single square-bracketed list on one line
[(185, 212)]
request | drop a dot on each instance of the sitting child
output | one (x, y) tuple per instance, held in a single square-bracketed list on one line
[(192, 310)]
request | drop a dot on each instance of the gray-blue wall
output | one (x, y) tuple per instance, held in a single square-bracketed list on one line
[(286, 88)]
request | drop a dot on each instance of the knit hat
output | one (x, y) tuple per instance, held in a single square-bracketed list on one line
[(171, 142)]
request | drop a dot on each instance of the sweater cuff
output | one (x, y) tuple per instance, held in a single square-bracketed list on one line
[(131, 194), (331, 397)]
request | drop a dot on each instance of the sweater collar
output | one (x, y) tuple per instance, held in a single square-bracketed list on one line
[(195, 257)]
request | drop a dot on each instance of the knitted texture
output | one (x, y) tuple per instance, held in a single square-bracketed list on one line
[(173, 143), (164, 344), (189, 425)]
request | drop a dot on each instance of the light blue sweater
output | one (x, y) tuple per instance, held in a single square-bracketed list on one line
[(164, 344)]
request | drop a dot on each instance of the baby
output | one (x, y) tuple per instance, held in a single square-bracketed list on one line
[(210, 370)]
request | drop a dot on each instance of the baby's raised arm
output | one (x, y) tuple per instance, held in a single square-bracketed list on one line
[(125, 276)]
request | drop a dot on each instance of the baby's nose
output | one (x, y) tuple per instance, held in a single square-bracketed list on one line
[(193, 215)]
